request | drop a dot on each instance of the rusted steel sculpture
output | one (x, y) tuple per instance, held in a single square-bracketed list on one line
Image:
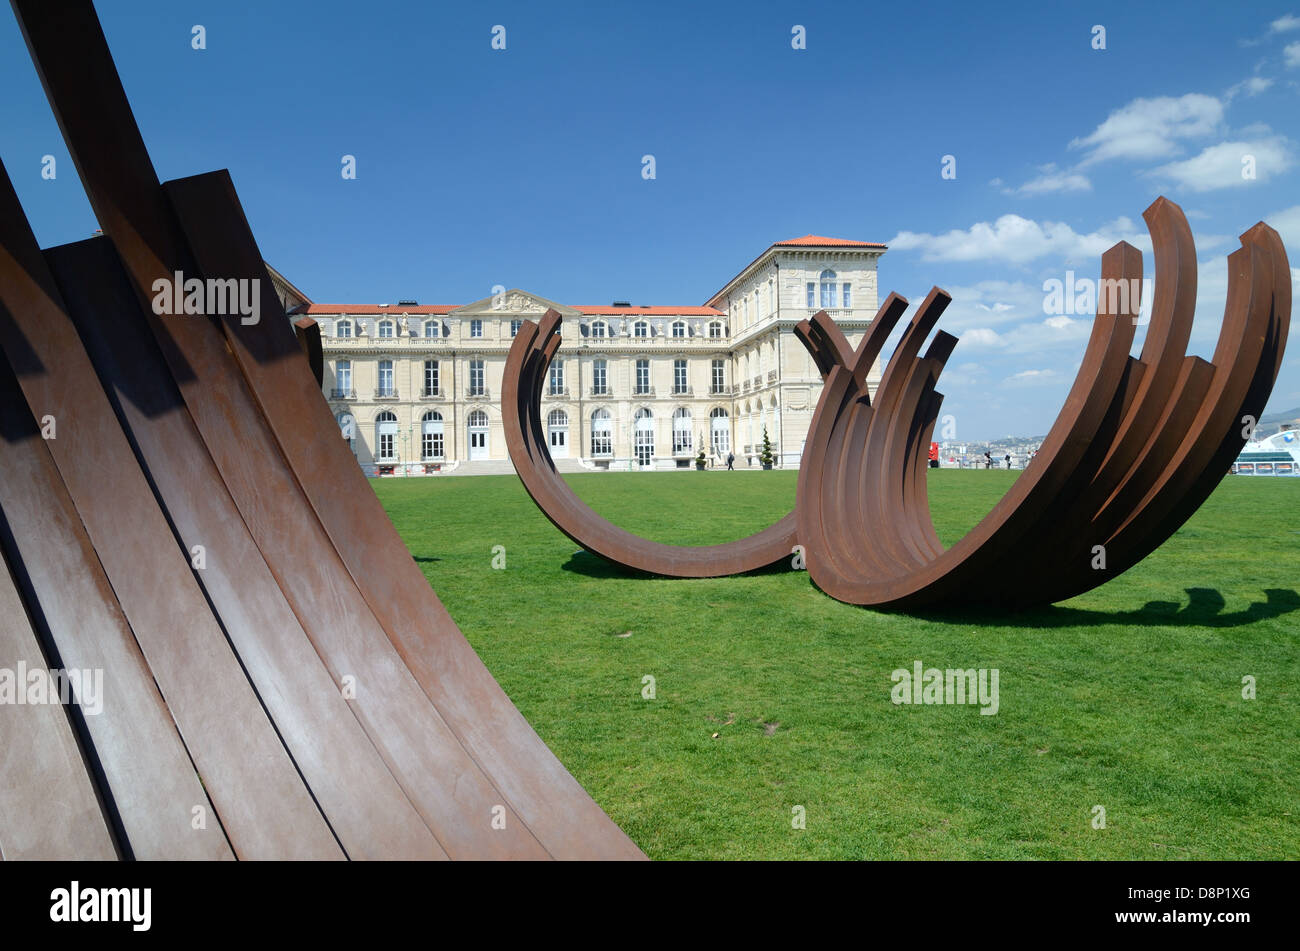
[(284, 682), (1139, 445)]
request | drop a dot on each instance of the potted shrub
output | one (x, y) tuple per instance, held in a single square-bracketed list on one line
[(701, 459), (766, 457)]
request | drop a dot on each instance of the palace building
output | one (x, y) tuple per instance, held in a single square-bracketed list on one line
[(417, 387)]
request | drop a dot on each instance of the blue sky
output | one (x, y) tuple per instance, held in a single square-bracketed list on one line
[(522, 167)]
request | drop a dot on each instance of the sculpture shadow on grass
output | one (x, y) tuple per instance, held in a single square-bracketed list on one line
[(583, 562), (1205, 608)]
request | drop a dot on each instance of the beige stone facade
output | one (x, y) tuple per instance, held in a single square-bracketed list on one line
[(417, 388)]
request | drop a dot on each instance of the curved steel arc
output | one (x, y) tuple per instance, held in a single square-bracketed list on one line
[(1138, 446), (525, 374)]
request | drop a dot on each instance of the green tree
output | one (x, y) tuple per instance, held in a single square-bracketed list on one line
[(766, 457)]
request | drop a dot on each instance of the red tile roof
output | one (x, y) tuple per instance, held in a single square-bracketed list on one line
[(363, 310), (654, 311), (817, 241)]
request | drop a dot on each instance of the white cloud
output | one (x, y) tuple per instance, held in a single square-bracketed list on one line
[(1050, 180), (1017, 240), (980, 337), (1149, 128), (1287, 225), (1284, 24), (1220, 166), (1033, 377), (1251, 87), (1291, 52)]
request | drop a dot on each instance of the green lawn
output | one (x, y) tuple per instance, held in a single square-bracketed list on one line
[(1129, 697)]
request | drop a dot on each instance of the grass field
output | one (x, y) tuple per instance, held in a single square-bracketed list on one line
[(1129, 697)]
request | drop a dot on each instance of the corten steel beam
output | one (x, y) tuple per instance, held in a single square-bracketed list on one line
[(263, 804), (37, 743), (533, 783), (144, 772), (1139, 445), (366, 808), (240, 409), (308, 332)]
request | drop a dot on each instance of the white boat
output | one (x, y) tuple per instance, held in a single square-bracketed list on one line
[(1279, 454)]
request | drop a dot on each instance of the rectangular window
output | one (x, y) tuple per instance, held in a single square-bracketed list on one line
[(430, 377), (599, 381), (643, 377), (476, 378), (514, 327), (812, 295), (343, 380), (557, 379), (431, 445), (386, 446), (828, 294), (343, 329), (476, 328), (602, 441), (719, 377), (846, 298), (386, 388), (385, 328), (679, 376)]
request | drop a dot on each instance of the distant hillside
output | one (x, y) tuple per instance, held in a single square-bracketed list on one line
[(1282, 417)]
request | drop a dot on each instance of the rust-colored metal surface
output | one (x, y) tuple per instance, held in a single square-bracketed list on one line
[(525, 374), (1139, 445), (308, 332), (326, 701)]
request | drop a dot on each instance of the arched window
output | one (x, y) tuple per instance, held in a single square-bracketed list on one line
[(720, 432), (679, 328), (643, 426), (827, 280), (641, 329), (431, 436), (343, 329), (478, 435), (716, 330), (602, 436), (385, 437), (386, 328), (433, 328), (599, 329), (681, 431), (557, 428)]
